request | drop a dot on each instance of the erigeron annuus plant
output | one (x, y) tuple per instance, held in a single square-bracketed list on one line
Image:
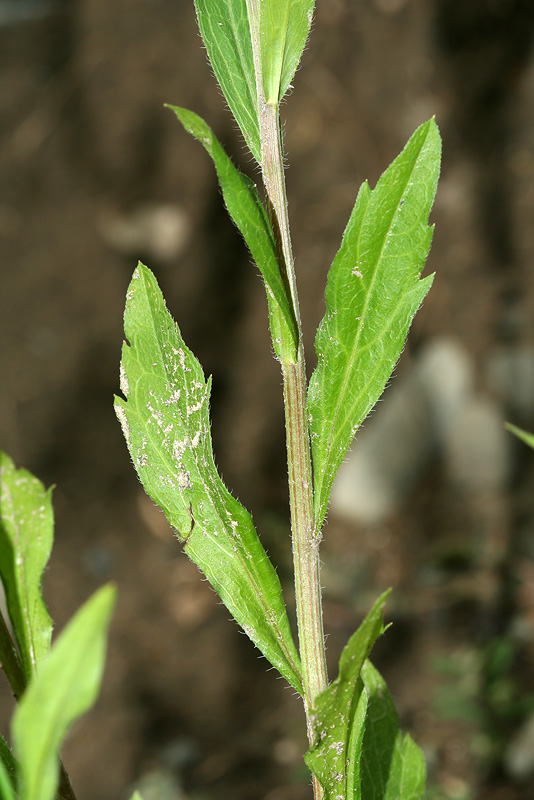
[(373, 291), (356, 750)]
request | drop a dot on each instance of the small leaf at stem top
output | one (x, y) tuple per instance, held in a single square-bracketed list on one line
[(246, 209), (165, 420), (64, 688), (224, 26), (283, 27), (26, 535), (372, 294)]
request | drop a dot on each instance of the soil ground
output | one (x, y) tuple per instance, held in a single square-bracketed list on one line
[(86, 148)]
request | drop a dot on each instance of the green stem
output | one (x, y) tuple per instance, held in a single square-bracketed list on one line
[(304, 541)]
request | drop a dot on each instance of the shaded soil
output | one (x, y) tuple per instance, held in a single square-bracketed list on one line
[(86, 145)]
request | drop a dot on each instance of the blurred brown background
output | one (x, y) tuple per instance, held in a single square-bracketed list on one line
[(437, 501)]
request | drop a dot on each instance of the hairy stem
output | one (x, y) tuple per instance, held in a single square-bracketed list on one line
[(305, 542)]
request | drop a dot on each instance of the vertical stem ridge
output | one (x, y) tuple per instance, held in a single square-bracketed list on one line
[(304, 540)]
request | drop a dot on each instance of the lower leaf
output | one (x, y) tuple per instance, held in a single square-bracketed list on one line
[(165, 420), (340, 713), (392, 765), (65, 687)]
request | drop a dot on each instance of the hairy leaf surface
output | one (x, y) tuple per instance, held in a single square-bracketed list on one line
[(392, 765), (26, 536), (166, 424), (224, 26), (340, 714), (372, 294), (64, 688), (282, 27), (246, 209)]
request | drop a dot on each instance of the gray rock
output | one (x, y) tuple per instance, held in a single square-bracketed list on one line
[(519, 755), (477, 451), (510, 373)]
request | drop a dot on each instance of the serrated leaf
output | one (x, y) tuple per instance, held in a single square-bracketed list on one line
[(392, 765), (372, 294), (224, 26), (26, 536), (282, 28), (65, 687), (340, 712), (247, 211), (166, 424), (525, 437)]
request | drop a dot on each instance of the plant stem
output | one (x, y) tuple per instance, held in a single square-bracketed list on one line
[(10, 660), (304, 541)]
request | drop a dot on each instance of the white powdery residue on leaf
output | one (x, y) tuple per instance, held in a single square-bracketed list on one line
[(181, 356), (183, 480), (192, 409), (156, 415), (179, 448), (175, 396), (123, 419), (123, 380)]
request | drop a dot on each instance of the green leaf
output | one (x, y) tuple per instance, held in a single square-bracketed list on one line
[(166, 425), (8, 769), (136, 796), (282, 32), (65, 687), (7, 791), (26, 535), (246, 209), (372, 294), (525, 437), (225, 30), (340, 712), (392, 765)]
